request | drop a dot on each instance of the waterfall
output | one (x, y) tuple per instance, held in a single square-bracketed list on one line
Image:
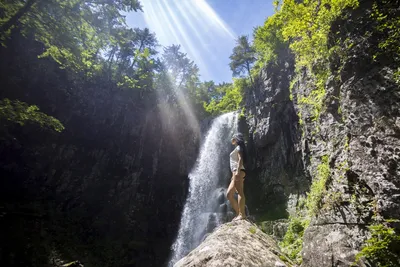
[(206, 205)]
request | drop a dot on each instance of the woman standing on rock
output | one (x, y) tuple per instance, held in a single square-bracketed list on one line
[(237, 158)]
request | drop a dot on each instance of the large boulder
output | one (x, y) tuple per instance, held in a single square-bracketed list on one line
[(238, 243)]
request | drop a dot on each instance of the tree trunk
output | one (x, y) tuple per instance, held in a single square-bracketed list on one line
[(14, 19), (248, 70)]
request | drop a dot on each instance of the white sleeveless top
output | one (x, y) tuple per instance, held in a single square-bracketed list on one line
[(234, 159)]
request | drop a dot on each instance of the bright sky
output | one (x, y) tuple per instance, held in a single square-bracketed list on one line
[(205, 29)]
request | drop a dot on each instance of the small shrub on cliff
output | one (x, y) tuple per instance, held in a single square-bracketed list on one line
[(292, 242), (318, 189), (382, 249)]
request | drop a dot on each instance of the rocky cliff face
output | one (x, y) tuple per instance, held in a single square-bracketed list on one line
[(238, 243), (275, 159), (108, 190), (358, 133), (348, 148)]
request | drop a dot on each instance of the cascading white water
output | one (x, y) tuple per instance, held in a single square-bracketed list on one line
[(205, 205)]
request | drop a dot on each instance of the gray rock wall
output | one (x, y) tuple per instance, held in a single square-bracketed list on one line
[(275, 161), (362, 143), (358, 131), (356, 137)]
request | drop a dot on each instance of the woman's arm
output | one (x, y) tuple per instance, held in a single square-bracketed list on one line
[(239, 163)]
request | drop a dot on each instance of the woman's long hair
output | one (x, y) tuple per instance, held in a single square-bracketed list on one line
[(240, 141)]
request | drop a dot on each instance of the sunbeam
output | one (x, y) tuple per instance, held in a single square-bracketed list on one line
[(178, 30), (209, 15), (193, 24)]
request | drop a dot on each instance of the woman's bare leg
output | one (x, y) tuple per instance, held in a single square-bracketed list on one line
[(230, 195), (241, 198)]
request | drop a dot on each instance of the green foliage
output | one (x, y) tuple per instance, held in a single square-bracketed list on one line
[(301, 122), (242, 114), (75, 33), (252, 230), (292, 83), (318, 186), (182, 70), (388, 24), (178, 83), (304, 25), (382, 248), (21, 113), (268, 40), (316, 97), (292, 242), (230, 98), (307, 26), (243, 57), (346, 144), (396, 76), (332, 199), (184, 80)]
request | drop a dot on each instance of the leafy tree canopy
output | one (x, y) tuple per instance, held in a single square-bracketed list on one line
[(243, 57), (20, 113), (74, 32)]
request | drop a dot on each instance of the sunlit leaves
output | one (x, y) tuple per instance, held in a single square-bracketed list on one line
[(387, 24), (243, 57), (383, 247), (229, 97), (183, 71), (268, 40), (73, 31), (304, 25), (307, 25), (20, 113)]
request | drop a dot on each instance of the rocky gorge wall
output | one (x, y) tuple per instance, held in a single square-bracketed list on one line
[(275, 160), (356, 137), (334, 166)]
